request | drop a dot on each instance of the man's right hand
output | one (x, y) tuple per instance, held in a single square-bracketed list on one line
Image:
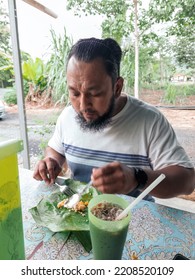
[(47, 170)]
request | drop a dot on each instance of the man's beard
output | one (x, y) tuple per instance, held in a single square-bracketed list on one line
[(100, 123)]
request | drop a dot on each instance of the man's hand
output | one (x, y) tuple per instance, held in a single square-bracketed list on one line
[(114, 177), (47, 170)]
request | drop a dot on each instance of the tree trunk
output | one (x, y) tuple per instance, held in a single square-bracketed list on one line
[(161, 70), (136, 81)]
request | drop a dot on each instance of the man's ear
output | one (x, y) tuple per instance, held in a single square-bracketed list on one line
[(118, 87)]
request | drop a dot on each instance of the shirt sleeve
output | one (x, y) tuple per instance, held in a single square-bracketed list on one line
[(164, 149)]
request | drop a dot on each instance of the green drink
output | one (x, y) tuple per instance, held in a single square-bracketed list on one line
[(108, 237), (11, 227)]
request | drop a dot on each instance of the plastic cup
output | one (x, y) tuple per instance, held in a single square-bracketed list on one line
[(108, 237), (11, 227)]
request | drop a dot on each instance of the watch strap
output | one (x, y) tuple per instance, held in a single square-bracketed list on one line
[(141, 177)]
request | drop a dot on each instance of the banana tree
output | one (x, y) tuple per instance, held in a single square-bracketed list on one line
[(33, 71)]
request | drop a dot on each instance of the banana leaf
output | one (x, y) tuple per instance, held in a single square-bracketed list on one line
[(47, 214), (84, 238)]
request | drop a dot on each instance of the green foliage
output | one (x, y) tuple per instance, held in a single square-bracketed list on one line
[(104, 7), (34, 72), (117, 22), (157, 53), (4, 30), (116, 28), (170, 94), (175, 93), (56, 66), (180, 13), (10, 97), (184, 49), (128, 68), (152, 70), (6, 70), (154, 86), (6, 73), (25, 56)]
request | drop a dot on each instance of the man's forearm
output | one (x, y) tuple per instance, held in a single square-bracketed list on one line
[(179, 180), (49, 152)]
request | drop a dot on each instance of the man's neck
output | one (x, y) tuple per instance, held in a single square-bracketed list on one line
[(119, 104)]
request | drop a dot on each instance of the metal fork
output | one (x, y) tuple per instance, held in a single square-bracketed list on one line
[(64, 189)]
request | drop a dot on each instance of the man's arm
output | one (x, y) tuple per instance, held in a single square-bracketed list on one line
[(48, 168), (118, 178), (179, 180)]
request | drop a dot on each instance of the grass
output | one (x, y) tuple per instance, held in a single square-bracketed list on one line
[(178, 92)]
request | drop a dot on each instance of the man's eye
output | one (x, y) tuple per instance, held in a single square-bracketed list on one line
[(96, 94), (74, 93)]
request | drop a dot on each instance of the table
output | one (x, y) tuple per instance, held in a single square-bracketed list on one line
[(156, 232)]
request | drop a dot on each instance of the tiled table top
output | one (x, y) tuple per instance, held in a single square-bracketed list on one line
[(155, 231)]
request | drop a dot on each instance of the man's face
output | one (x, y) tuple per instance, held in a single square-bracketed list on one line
[(91, 93)]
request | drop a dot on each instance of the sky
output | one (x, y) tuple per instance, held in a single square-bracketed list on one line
[(34, 26)]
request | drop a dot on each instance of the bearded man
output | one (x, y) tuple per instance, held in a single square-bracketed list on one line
[(120, 143)]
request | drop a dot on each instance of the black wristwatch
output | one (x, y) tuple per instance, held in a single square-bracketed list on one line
[(141, 177)]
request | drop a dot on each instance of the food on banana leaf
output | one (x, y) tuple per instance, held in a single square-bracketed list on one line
[(48, 213), (78, 207)]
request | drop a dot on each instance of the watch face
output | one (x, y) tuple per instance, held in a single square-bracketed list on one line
[(141, 177)]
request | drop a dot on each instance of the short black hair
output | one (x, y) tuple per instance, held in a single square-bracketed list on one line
[(91, 48)]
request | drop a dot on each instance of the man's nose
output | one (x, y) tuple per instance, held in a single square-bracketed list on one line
[(85, 102)]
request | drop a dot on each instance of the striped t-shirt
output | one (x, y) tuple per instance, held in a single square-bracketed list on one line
[(139, 135)]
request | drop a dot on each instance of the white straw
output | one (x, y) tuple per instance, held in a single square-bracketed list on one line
[(142, 195)]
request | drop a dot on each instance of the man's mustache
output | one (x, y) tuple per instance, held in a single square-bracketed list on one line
[(87, 111)]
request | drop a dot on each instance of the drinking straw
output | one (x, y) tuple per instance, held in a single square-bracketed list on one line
[(142, 195)]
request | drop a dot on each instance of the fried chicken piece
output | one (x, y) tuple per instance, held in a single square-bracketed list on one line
[(80, 206), (61, 203)]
